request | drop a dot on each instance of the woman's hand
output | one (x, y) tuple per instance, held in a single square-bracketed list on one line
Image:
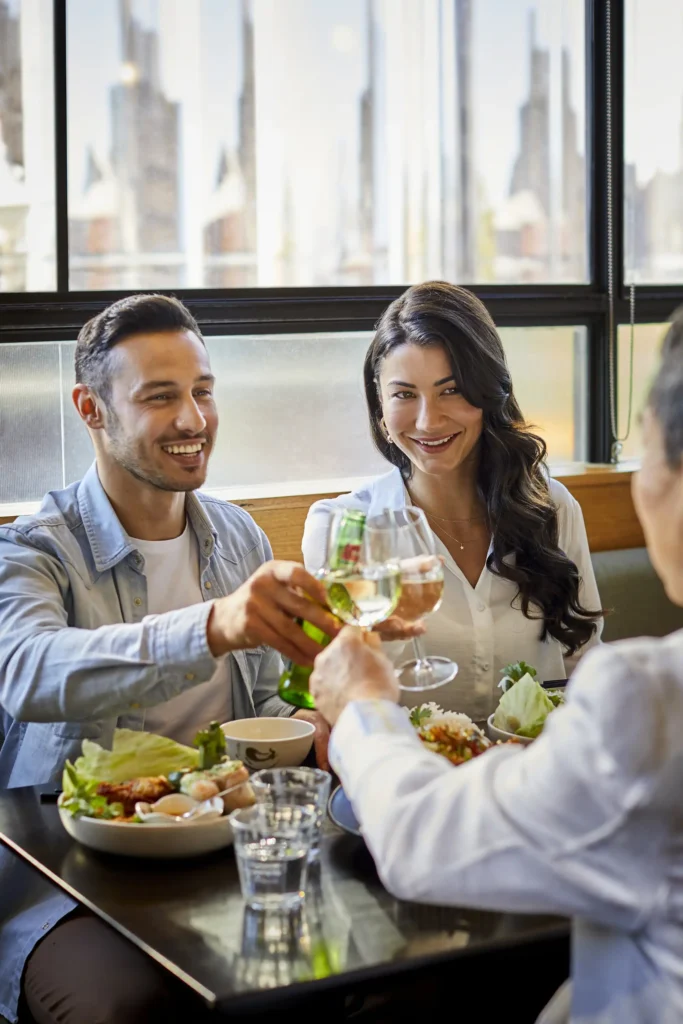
[(351, 668), (395, 628)]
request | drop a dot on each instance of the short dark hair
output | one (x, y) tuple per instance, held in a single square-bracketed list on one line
[(136, 314), (666, 394)]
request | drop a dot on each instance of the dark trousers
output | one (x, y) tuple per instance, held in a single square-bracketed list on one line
[(83, 972)]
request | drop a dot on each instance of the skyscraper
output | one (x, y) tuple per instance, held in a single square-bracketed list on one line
[(145, 141), (230, 238), (11, 115), (466, 232), (532, 166)]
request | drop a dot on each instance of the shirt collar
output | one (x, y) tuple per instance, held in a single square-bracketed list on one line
[(388, 491), (109, 542)]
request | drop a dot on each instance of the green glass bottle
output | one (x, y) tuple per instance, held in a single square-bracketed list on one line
[(293, 686)]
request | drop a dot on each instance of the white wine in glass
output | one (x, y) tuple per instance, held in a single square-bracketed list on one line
[(410, 543), (363, 598), (363, 586)]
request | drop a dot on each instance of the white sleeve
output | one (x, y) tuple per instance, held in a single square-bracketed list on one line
[(577, 549), (542, 829)]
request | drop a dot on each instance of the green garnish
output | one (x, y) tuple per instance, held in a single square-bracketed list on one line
[(513, 672), (211, 745), (419, 715), (83, 799)]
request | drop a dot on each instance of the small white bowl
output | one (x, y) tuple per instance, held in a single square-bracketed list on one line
[(501, 734), (269, 742)]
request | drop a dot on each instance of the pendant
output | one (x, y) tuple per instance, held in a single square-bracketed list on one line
[(462, 547)]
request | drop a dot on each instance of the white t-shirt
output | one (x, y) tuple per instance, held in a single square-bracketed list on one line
[(172, 572)]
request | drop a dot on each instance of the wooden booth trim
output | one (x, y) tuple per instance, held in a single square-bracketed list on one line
[(604, 493)]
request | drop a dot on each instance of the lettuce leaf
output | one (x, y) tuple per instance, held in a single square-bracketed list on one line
[(133, 755), (523, 709)]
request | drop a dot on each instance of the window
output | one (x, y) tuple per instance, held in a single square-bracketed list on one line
[(278, 143), (288, 167), (27, 164), (653, 107)]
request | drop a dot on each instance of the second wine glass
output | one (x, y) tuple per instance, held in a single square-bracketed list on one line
[(409, 541)]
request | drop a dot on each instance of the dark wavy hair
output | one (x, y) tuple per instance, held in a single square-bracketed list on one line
[(512, 477)]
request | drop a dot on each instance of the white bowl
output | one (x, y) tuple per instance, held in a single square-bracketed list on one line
[(128, 839), (269, 742), (501, 734)]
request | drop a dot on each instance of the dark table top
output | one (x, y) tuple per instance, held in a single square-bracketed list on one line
[(189, 915)]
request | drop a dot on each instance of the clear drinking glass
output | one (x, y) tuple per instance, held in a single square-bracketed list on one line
[(302, 787), (272, 846), (404, 535), (363, 583)]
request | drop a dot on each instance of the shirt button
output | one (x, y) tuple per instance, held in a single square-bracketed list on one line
[(208, 585), (481, 607), (189, 676), (137, 601), (485, 666), (134, 707)]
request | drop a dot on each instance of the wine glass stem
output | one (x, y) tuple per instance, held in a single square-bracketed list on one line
[(422, 665)]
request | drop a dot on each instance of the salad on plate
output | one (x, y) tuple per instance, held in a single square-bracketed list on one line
[(151, 778)]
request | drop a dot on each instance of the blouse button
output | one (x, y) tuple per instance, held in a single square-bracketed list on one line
[(137, 601), (208, 585)]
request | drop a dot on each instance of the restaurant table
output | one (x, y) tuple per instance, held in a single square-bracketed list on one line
[(189, 916)]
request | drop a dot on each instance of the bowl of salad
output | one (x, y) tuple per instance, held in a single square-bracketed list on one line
[(524, 706)]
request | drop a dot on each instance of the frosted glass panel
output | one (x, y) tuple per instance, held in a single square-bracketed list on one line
[(647, 346), (78, 450), (30, 421), (548, 374), (292, 409)]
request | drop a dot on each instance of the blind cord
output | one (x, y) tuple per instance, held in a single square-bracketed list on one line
[(618, 440)]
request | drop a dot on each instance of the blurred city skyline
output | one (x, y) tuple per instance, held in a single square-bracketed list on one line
[(235, 143), (255, 142)]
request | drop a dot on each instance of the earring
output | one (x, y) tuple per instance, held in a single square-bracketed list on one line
[(385, 431)]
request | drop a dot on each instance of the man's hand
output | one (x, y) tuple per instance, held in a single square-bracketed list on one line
[(321, 738), (263, 610), (351, 668)]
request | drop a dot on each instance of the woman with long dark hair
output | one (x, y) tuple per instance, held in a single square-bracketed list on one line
[(519, 580)]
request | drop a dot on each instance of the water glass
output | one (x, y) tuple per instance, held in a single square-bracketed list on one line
[(272, 844), (300, 787)]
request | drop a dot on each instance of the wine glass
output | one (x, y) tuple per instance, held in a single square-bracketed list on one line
[(362, 579), (411, 541)]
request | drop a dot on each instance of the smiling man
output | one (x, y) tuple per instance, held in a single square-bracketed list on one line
[(130, 600)]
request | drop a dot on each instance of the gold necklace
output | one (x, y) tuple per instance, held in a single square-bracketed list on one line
[(442, 519), (462, 546)]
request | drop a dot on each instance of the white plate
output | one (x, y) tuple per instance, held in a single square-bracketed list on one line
[(501, 734), (149, 840)]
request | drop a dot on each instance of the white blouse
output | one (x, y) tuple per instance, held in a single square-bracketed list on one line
[(482, 628)]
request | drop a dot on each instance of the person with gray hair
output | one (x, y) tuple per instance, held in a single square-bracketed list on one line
[(587, 820)]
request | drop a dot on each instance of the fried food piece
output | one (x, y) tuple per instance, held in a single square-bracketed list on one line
[(148, 789)]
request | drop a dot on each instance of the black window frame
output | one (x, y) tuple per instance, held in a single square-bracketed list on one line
[(59, 315)]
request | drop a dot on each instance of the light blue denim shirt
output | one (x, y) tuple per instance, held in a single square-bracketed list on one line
[(79, 656)]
